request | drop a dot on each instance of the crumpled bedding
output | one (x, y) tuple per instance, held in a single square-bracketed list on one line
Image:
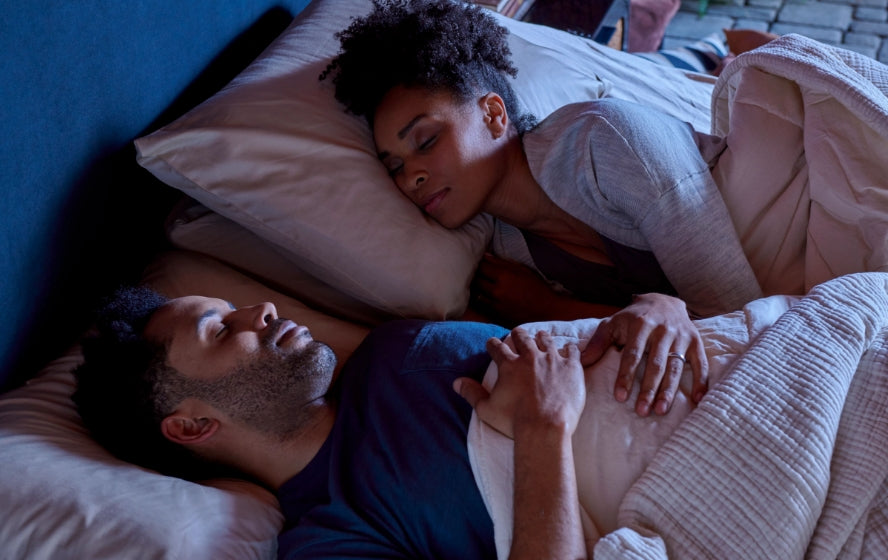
[(786, 457), (612, 445), (804, 174)]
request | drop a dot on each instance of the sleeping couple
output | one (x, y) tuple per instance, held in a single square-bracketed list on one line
[(612, 202)]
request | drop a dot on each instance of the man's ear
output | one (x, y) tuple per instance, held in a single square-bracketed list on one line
[(495, 115), (188, 430)]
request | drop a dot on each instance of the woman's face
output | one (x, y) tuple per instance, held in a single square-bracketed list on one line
[(443, 154)]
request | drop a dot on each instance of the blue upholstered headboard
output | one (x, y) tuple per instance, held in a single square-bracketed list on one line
[(78, 82)]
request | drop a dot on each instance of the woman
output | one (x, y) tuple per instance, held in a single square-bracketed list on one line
[(608, 197)]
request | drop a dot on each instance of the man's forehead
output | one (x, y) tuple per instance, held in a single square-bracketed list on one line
[(183, 313)]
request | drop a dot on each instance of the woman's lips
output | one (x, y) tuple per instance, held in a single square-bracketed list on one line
[(432, 203)]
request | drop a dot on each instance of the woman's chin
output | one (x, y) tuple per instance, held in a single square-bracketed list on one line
[(450, 223)]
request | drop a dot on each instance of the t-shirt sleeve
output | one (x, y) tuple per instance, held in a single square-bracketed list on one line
[(684, 218), (638, 178)]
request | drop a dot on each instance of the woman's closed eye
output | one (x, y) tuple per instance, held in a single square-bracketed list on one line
[(223, 329), (395, 169)]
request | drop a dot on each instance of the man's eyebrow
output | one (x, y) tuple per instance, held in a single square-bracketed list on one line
[(403, 132), (205, 316), (208, 314)]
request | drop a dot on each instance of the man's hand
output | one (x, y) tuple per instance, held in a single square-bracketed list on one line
[(537, 385), (659, 325), (537, 400)]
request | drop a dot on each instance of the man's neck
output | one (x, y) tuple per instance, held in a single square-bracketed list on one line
[(274, 462)]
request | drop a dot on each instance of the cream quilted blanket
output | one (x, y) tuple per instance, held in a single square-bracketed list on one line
[(786, 457), (805, 174)]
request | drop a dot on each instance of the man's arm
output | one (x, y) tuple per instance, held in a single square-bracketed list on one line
[(538, 399), (547, 513)]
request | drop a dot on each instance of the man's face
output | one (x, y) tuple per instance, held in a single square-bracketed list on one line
[(248, 363)]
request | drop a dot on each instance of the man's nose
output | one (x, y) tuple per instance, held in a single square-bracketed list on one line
[(257, 317)]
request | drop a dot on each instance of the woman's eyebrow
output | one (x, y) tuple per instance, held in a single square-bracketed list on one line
[(403, 132)]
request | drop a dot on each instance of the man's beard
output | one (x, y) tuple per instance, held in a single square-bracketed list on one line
[(276, 393)]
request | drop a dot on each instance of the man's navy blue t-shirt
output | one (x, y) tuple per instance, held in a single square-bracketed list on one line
[(393, 479)]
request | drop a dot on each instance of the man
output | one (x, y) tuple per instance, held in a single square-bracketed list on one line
[(371, 462)]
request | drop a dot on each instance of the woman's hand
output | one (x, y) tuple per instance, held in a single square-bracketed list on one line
[(510, 294), (537, 385), (659, 325)]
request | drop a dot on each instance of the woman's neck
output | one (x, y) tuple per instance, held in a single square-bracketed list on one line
[(520, 201)]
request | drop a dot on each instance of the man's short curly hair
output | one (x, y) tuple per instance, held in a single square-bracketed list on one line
[(119, 387), (439, 45)]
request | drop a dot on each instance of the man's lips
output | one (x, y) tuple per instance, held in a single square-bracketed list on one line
[(432, 202), (288, 331)]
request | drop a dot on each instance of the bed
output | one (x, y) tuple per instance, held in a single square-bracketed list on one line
[(192, 147)]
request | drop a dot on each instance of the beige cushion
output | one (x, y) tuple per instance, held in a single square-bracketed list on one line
[(275, 153)]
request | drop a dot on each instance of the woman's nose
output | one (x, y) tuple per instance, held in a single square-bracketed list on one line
[(415, 176)]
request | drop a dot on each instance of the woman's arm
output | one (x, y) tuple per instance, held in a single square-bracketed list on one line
[(675, 204), (637, 177), (511, 294)]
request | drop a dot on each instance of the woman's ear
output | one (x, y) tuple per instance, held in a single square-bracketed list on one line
[(185, 429), (495, 115)]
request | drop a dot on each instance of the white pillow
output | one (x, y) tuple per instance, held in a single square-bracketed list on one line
[(65, 497), (275, 153), (193, 226)]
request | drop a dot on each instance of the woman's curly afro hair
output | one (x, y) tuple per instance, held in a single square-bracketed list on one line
[(439, 45)]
